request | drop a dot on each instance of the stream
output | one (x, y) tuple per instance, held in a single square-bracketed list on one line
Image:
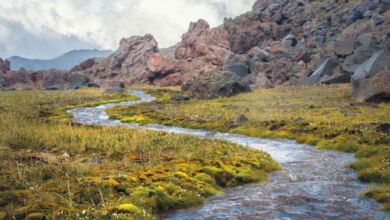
[(313, 184)]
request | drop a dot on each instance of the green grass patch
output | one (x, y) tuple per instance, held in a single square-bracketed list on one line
[(52, 168), (324, 116)]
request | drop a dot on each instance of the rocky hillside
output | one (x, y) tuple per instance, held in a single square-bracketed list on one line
[(64, 62), (278, 42)]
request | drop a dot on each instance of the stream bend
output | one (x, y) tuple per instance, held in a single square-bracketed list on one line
[(312, 185)]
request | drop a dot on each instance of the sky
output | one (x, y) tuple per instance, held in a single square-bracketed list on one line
[(45, 29)]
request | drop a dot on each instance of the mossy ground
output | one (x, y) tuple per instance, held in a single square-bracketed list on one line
[(53, 168), (324, 116)]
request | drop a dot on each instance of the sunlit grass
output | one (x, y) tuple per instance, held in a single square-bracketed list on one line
[(324, 116), (54, 168)]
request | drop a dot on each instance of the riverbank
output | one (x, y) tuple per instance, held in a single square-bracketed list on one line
[(54, 168), (324, 116)]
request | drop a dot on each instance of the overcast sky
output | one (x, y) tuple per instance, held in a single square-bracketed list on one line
[(47, 28)]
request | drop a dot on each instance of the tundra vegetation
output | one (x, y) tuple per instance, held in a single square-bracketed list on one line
[(324, 116), (52, 168)]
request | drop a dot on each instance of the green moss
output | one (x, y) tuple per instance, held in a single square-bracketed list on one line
[(324, 116), (380, 194), (73, 171), (129, 208)]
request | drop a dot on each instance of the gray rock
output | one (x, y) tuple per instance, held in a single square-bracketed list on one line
[(377, 20), (368, 14), (355, 15), (365, 40), (77, 81), (385, 6), (241, 69), (339, 77), (274, 7), (363, 53), (350, 64), (371, 80), (209, 85), (325, 70), (237, 64), (321, 31), (345, 46), (290, 40)]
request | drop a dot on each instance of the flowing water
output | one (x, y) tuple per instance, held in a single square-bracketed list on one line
[(312, 185)]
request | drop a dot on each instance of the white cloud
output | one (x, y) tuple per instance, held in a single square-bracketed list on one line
[(46, 28)]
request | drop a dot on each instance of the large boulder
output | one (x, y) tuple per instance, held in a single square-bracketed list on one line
[(326, 70), (345, 45), (77, 81), (55, 80), (237, 64), (209, 85), (371, 80)]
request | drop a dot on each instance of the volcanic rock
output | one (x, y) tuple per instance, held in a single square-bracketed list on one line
[(77, 81), (5, 66), (209, 85), (371, 80), (325, 70)]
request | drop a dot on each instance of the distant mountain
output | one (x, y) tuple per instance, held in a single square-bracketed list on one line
[(64, 62)]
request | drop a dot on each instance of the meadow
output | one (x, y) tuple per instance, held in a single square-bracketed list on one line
[(52, 168), (324, 116)]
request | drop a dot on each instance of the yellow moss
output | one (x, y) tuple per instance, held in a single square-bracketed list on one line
[(129, 208), (136, 119), (324, 116)]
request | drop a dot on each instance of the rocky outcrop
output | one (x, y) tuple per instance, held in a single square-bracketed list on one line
[(136, 61), (202, 48), (328, 73), (278, 42), (5, 66), (129, 61), (371, 80), (210, 85), (89, 63)]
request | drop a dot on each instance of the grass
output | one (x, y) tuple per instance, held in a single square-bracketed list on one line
[(52, 168), (324, 116)]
